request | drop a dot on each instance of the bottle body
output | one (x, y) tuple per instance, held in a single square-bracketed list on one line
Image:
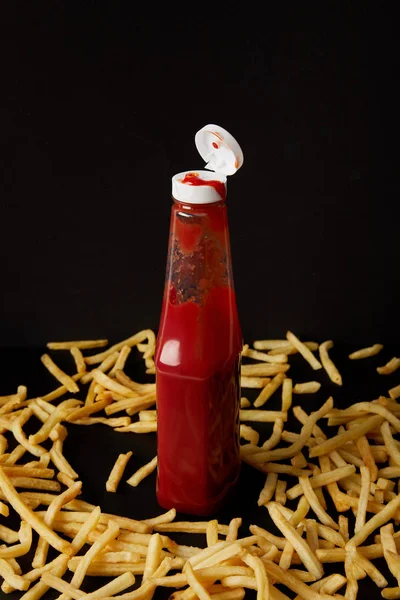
[(198, 364)]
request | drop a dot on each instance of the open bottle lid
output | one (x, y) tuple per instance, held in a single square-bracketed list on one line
[(223, 156)]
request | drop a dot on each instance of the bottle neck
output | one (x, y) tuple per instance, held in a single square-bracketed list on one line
[(199, 257)]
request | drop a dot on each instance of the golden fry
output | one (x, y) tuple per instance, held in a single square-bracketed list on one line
[(366, 352), (117, 472), (62, 377), (304, 351), (308, 387)]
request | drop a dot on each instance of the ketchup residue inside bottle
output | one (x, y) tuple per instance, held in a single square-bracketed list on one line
[(198, 362)]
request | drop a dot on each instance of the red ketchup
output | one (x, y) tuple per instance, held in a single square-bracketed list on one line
[(198, 352)]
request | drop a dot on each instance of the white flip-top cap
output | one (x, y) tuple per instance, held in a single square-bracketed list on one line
[(223, 156)]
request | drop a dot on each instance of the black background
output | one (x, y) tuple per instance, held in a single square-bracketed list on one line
[(100, 104)]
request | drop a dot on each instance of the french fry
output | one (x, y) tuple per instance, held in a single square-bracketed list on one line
[(117, 472), (162, 519), (378, 409), (62, 377), (113, 422), (371, 570), (8, 535), (132, 405), (261, 356), (131, 341), (4, 510), (112, 385), (254, 382), (394, 392), (139, 388), (374, 523), (143, 472), (280, 495), (244, 403), (249, 434), (270, 344), (107, 364), (352, 584), (389, 472), (15, 581), (27, 515), (308, 558), (153, 557), (274, 540), (212, 532), (3, 444), (311, 535), (390, 443), (363, 500), (100, 569), (292, 582), (82, 345), (121, 360), (263, 369), (391, 592), (342, 438), (315, 504), (306, 432), (124, 523), (343, 523), (287, 389), (189, 527), (304, 351), (148, 415), (390, 367), (299, 461), (366, 352), (51, 515), (390, 549), (78, 358), (262, 416), (235, 581), (219, 553), (233, 529), (367, 456), (60, 391), (275, 437), (195, 584), (62, 464), (302, 416), (260, 574), (300, 513), (308, 387), (59, 414), (62, 586), (268, 490), (65, 479), (269, 390), (20, 435), (25, 539), (35, 483), (109, 535), (285, 560), (87, 410), (327, 362)]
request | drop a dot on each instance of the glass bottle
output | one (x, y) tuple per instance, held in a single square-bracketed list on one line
[(199, 342)]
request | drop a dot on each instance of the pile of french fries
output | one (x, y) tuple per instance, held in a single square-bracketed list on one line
[(357, 469)]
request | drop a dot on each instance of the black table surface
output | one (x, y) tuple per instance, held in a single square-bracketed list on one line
[(93, 450)]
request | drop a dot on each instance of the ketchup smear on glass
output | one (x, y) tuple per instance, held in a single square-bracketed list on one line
[(198, 361)]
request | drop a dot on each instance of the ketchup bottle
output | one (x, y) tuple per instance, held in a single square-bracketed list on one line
[(200, 341)]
